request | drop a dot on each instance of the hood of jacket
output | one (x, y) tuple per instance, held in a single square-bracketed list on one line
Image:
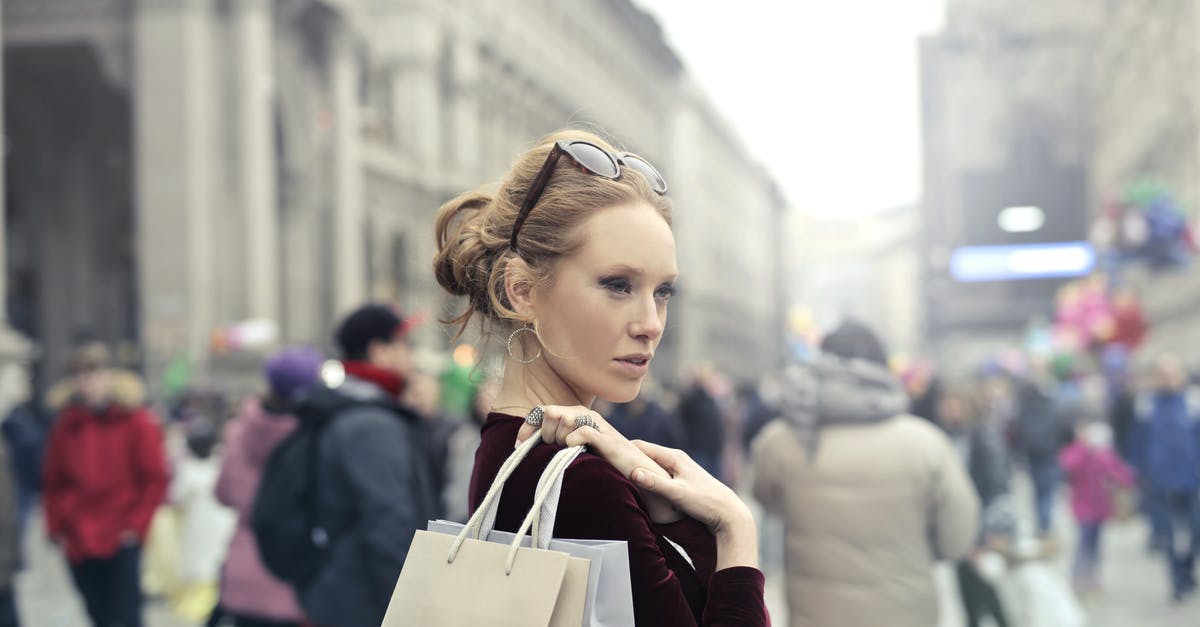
[(830, 390), (262, 430)]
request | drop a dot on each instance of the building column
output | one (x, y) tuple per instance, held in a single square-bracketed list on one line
[(175, 128), (256, 137), (417, 112), (15, 350), (349, 231)]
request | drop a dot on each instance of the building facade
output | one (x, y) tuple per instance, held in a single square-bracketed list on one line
[(178, 166), (1005, 103), (1146, 123)]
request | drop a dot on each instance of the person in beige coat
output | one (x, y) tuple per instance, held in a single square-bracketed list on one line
[(870, 497)]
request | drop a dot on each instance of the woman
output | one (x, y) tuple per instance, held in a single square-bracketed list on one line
[(249, 592), (571, 262)]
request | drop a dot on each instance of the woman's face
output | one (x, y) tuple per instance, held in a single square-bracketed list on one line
[(603, 314)]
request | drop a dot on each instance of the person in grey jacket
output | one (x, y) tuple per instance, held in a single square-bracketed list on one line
[(374, 487), (870, 496)]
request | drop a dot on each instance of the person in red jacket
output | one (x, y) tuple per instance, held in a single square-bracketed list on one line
[(105, 476)]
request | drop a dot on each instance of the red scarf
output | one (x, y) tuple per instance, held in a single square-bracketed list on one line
[(391, 382)]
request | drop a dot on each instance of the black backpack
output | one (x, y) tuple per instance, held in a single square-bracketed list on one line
[(292, 540)]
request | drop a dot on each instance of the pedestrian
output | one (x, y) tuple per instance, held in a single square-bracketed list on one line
[(461, 449), (644, 418), (870, 496), (703, 424), (423, 396), (105, 477), (570, 262), (1169, 464), (26, 431), (980, 445), (1043, 427), (373, 486), (1094, 472), (205, 525), (250, 594), (10, 541)]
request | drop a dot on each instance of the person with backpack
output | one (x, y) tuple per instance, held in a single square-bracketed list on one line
[(1043, 426), (249, 592), (341, 497)]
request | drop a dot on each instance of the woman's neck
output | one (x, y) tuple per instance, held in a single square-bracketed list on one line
[(526, 386)]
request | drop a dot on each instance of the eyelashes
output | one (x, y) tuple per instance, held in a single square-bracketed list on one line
[(620, 285)]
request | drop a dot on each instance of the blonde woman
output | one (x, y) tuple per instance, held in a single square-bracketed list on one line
[(570, 261)]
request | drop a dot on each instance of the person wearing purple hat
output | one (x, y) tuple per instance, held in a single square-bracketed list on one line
[(251, 594)]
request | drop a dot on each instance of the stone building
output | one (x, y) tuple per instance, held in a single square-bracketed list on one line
[(177, 166), (1005, 102), (1146, 123)]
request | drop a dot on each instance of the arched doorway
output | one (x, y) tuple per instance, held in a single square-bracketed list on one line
[(70, 236)]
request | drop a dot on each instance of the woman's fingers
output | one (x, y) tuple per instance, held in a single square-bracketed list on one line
[(669, 459)]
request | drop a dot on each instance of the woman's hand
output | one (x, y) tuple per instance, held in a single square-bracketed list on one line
[(690, 488), (559, 427)]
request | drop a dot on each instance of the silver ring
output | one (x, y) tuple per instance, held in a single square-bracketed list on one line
[(585, 421), (535, 417)]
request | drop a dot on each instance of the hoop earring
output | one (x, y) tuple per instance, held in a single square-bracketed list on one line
[(510, 345)]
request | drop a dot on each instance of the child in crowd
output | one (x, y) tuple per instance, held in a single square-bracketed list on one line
[(1094, 472)]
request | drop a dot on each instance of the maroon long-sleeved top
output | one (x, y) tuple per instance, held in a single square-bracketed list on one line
[(598, 502)]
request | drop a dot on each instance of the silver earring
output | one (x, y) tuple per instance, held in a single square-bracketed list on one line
[(510, 345)]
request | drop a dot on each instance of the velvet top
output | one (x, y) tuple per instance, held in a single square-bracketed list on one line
[(598, 502)]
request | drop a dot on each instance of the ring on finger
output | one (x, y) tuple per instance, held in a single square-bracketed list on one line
[(585, 421), (536, 416)]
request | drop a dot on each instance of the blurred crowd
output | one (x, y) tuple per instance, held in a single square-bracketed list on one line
[(875, 473)]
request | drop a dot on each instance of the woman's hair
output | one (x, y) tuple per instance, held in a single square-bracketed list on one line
[(473, 229)]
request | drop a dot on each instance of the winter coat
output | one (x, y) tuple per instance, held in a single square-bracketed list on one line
[(1044, 424), (27, 430), (870, 497), (105, 476), (1166, 443), (205, 525), (247, 588), (1093, 473), (649, 421), (705, 428), (374, 491)]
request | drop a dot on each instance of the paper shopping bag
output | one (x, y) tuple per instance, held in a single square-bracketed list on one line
[(474, 590), (472, 578), (609, 601)]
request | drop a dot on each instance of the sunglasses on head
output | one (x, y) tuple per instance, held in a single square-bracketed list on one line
[(592, 159)]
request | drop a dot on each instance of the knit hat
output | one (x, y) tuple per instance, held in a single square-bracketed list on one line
[(370, 323), (293, 368)]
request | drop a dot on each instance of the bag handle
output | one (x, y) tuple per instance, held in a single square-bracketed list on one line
[(484, 518), (545, 506)]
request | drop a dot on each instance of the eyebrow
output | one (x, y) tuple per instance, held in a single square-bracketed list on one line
[(627, 269)]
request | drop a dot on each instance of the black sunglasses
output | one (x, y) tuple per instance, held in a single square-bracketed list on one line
[(591, 158)]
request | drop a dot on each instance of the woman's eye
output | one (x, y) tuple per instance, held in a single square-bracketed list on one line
[(665, 292), (616, 285)]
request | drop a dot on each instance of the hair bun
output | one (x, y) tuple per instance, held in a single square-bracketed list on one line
[(461, 261)]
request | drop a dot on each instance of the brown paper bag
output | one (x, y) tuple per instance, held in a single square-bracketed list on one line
[(463, 581)]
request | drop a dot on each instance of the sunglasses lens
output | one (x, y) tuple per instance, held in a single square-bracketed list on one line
[(645, 169), (594, 159)]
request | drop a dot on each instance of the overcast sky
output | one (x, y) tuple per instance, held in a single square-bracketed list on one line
[(824, 92)]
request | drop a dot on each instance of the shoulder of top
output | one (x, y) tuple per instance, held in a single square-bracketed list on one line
[(590, 467)]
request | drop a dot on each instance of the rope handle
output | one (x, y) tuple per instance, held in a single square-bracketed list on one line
[(485, 515), (546, 498)]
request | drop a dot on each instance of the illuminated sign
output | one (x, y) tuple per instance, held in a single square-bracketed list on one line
[(1022, 261)]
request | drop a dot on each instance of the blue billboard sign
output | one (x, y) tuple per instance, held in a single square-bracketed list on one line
[(1022, 261)]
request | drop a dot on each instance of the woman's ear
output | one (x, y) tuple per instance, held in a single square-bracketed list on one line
[(518, 286)]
